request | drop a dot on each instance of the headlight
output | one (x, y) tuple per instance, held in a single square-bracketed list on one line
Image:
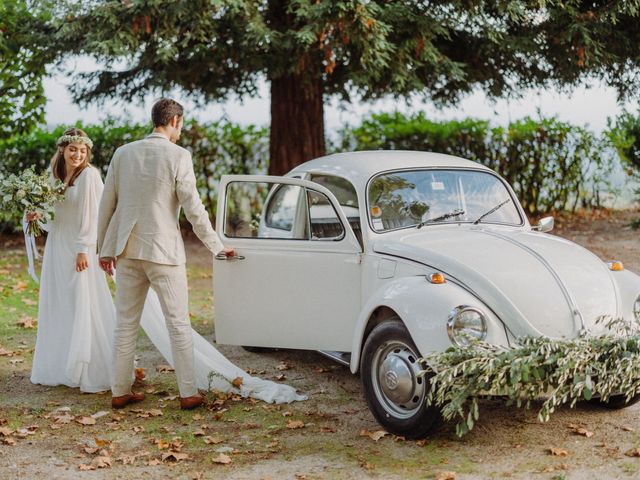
[(466, 324), (636, 309)]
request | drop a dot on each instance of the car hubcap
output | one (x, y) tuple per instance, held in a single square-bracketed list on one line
[(395, 379)]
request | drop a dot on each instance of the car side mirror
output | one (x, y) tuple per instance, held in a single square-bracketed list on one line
[(545, 224)]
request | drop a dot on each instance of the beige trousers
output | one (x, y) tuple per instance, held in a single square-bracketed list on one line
[(170, 283)]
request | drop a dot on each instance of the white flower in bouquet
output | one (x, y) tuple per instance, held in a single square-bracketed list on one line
[(31, 192)]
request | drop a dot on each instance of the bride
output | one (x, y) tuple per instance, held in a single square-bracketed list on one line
[(76, 315)]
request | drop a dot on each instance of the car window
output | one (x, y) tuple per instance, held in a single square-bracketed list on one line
[(342, 189), (323, 219), (407, 198), (279, 211), (345, 193)]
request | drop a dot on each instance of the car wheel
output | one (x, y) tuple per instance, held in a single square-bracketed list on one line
[(393, 389), (616, 402)]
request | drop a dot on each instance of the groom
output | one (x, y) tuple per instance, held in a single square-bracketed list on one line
[(147, 183)]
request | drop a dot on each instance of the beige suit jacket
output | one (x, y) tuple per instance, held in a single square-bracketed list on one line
[(147, 183)]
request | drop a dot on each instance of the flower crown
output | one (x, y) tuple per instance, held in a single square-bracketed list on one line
[(74, 139)]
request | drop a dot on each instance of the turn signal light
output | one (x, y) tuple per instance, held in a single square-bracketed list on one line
[(616, 266), (437, 278)]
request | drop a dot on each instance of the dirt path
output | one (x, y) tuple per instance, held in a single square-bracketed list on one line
[(260, 439)]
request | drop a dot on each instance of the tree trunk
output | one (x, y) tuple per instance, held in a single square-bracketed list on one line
[(297, 122)]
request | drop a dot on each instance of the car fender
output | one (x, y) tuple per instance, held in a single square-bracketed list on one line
[(628, 284), (424, 308)]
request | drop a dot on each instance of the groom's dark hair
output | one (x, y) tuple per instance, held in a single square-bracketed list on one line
[(164, 110)]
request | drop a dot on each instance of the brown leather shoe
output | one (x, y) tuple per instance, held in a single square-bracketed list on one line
[(124, 400), (189, 403)]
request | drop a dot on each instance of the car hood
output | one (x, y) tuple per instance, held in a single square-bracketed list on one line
[(537, 284)]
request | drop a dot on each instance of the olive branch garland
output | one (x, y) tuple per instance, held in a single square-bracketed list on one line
[(562, 371)]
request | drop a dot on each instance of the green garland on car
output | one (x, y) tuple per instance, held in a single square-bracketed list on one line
[(603, 368)]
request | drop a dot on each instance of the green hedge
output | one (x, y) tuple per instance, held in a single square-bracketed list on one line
[(552, 165)]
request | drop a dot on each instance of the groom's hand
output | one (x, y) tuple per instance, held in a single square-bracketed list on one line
[(229, 251), (108, 264)]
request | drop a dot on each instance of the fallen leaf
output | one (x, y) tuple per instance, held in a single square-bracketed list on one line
[(222, 459), (103, 443), (153, 461), (86, 421), (281, 377), (20, 286), (237, 382), (164, 368), (286, 414), (553, 468), (578, 430), (8, 441), (91, 450), (634, 452), (5, 431), (99, 414), (283, 366), (162, 444), (326, 429), (6, 353), (212, 440), (322, 370), (27, 322), (197, 417), (101, 462), (28, 301), (300, 476), (174, 456), (377, 435), (446, 475), (198, 433), (63, 419), (127, 459), (559, 452), (627, 429), (16, 361), (294, 424), (138, 429)]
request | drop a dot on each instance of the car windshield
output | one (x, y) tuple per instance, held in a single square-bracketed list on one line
[(430, 197)]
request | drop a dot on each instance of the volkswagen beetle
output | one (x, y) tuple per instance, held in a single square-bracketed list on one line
[(378, 258)]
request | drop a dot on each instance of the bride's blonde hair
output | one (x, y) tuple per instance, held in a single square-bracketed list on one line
[(58, 166)]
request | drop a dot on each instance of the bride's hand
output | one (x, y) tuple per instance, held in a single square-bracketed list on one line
[(82, 262), (32, 216)]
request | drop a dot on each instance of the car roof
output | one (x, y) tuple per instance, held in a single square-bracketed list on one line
[(358, 167)]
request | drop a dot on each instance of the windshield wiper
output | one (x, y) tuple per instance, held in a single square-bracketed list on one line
[(497, 207), (455, 213)]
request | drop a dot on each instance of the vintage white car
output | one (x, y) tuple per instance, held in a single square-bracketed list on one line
[(377, 258)]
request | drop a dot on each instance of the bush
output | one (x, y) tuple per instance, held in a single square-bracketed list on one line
[(551, 165)]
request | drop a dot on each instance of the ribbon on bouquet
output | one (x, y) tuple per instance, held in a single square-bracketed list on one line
[(32, 251)]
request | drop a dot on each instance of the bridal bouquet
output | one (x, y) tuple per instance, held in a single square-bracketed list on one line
[(30, 192)]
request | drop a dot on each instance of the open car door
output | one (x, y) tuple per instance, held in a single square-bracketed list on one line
[(296, 282)]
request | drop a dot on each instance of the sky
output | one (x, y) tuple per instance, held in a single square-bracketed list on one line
[(583, 106)]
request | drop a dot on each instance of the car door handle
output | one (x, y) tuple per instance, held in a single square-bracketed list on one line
[(223, 256)]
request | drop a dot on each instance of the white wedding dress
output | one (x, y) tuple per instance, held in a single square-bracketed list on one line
[(76, 315)]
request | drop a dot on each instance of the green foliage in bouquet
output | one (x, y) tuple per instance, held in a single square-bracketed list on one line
[(30, 192), (604, 367)]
